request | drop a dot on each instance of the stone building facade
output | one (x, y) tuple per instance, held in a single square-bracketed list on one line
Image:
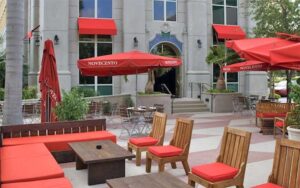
[(181, 28)]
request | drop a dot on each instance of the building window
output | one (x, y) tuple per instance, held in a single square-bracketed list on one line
[(95, 8), (165, 10), (225, 12), (93, 46)]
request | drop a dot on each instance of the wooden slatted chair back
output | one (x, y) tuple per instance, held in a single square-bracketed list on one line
[(182, 134), (159, 126), (234, 147), (286, 164)]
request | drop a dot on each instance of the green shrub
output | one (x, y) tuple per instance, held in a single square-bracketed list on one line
[(294, 117), (277, 96), (1, 94), (29, 93), (72, 107), (86, 92), (127, 101)]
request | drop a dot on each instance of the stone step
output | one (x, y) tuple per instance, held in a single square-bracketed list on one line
[(185, 110), (184, 105)]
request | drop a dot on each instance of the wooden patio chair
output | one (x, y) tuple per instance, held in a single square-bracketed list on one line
[(285, 172), (155, 138), (230, 167), (177, 150), (280, 124)]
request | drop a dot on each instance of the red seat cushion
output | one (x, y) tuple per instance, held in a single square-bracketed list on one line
[(60, 142), (215, 172), (20, 151), (267, 185), (49, 183), (143, 141), (29, 169), (269, 115), (279, 123), (165, 151)]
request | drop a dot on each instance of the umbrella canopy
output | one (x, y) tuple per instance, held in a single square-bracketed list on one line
[(132, 62), (250, 66), (287, 54), (49, 85), (258, 49)]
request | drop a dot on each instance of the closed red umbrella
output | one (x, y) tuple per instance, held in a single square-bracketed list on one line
[(49, 85), (132, 62)]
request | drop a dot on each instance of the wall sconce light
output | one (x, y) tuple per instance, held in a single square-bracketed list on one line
[(37, 40), (56, 40), (135, 42), (199, 43)]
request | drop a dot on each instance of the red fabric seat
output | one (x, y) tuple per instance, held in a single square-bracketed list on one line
[(60, 142), (49, 183), (165, 151), (29, 169), (267, 185), (270, 115), (143, 141), (279, 124), (28, 150), (215, 172)]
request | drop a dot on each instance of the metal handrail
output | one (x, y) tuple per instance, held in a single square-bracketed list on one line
[(202, 87), (165, 87)]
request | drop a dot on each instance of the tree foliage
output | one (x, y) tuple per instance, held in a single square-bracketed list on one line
[(219, 55), (272, 16)]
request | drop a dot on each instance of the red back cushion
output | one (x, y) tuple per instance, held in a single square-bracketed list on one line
[(49, 183)]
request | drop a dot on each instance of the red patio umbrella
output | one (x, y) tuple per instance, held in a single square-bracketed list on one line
[(258, 49), (250, 66), (286, 55), (132, 62), (49, 85)]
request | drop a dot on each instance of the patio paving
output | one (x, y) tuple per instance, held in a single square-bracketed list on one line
[(207, 133)]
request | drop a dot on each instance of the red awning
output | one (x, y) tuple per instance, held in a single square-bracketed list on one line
[(96, 26), (232, 32)]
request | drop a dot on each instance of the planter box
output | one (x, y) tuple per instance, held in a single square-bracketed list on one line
[(222, 102), (150, 100), (294, 134)]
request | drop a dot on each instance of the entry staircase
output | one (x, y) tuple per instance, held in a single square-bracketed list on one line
[(186, 105)]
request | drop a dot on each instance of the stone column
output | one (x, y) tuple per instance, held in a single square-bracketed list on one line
[(197, 29), (134, 21), (54, 20)]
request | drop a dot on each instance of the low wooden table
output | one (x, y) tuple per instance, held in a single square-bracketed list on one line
[(154, 180), (102, 164)]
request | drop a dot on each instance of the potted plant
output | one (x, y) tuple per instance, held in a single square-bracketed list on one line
[(221, 98), (293, 119)]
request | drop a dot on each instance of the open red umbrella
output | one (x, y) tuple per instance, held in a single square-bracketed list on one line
[(132, 62), (49, 85), (250, 66)]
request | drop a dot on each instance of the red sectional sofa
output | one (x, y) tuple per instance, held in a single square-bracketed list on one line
[(26, 155)]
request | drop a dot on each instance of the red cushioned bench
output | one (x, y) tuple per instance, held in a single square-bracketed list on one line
[(53, 183), (56, 135), (28, 163)]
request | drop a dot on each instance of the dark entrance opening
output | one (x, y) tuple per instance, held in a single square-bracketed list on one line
[(168, 76)]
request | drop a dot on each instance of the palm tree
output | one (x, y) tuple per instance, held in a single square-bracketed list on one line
[(12, 113), (220, 56)]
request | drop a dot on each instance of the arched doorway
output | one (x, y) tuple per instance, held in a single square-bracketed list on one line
[(169, 76)]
